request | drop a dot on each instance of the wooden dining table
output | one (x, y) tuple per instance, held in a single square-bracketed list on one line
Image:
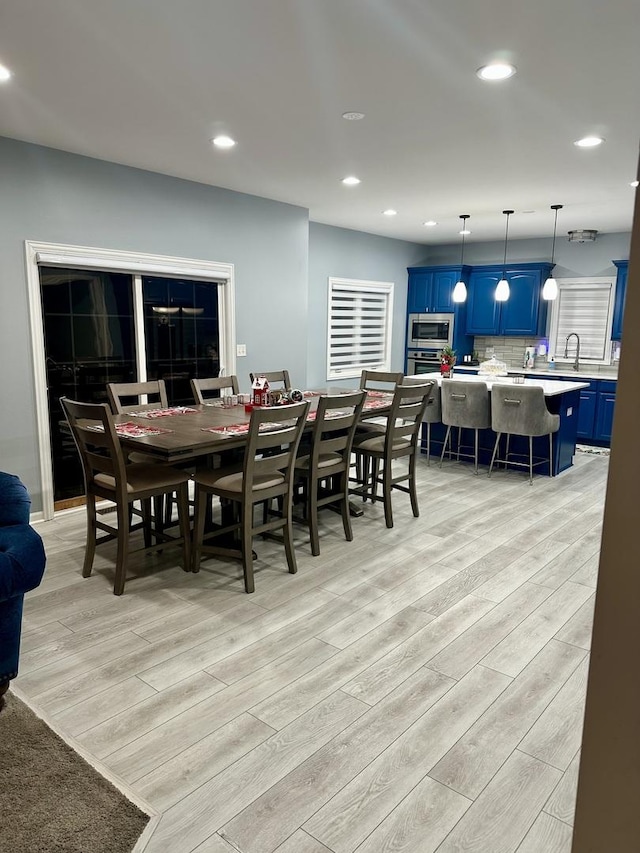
[(181, 433)]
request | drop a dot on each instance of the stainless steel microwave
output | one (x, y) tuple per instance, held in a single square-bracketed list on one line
[(430, 331)]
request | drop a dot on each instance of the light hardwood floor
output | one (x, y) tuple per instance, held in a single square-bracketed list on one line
[(418, 689)]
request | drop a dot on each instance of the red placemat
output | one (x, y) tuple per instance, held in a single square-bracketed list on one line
[(242, 429), (163, 413), (375, 404), (379, 394), (131, 430)]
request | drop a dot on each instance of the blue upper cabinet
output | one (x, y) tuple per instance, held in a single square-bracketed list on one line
[(431, 288), (524, 313), (621, 292)]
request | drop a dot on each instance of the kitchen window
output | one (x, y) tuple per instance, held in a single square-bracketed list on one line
[(584, 306), (359, 327)]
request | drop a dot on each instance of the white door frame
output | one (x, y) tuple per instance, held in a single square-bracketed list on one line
[(138, 264)]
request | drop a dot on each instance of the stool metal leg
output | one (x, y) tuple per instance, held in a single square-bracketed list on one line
[(551, 474), (447, 438), (476, 452), (428, 444), (495, 450), (531, 460)]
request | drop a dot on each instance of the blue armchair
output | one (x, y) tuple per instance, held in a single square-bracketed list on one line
[(22, 562)]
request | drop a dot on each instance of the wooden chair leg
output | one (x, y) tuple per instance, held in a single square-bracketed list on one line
[(287, 533), (413, 494), (202, 503), (185, 527), (386, 491), (123, 549), (344, 507), (247, 550), (90, 547), (312, 511)]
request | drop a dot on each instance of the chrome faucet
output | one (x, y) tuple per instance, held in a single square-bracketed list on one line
[(576, 363)]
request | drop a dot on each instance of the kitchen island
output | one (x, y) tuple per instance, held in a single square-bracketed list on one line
[(562, 398)]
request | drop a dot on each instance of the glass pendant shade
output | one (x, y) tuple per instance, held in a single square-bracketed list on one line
[(502, 290), (460, 292), (550, 289)]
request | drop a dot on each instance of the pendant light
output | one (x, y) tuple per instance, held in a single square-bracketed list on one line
[(502, 288), (550, 289), (460, 289)]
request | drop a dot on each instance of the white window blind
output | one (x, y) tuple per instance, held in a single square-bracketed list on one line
[(359, 326), (583, 306)]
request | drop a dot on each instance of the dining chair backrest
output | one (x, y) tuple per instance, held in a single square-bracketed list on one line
[(101, 455), (406, 414), (272, 443), (335, 425), (125, 396), (377, 380), (201, 387), (521, 411), (273, 377)]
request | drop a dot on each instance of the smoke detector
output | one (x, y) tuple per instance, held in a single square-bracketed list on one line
[(586, 235)]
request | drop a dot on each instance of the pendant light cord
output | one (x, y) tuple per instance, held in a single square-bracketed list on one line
[(464, 218), (555, 207), (506, 238)]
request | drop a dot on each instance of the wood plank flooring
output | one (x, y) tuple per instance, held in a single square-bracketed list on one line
[(418, 690)]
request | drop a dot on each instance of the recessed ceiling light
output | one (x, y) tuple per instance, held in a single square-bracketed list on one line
[(390, 212), (351, 181), (430, 223), (223, 142), (589, 141), (5, 74), (527, 211), (634, 183), (465, 232), (496, 71), (353, 116)]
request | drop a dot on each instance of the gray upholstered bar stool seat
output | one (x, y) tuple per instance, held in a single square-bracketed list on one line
[(465, 405), (521, 411)]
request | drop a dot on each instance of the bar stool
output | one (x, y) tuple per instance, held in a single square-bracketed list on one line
[(432, 415), (464, 405), (521, 411)]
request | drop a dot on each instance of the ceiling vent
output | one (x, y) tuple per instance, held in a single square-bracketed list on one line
[(584, 236)]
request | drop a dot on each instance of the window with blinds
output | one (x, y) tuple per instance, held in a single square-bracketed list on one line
[(359, 327), (583, 306)]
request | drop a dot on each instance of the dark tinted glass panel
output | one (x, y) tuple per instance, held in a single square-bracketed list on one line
[(89, 341), (181, 329)]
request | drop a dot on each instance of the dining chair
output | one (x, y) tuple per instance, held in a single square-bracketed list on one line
[(465, 405), (108, 477), (125, 396), (324, 467), (217, 384), (265, 474), (521, 411), (399, 441), (274, 376)]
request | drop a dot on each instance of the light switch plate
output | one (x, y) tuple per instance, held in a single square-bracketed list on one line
[(241, 349)]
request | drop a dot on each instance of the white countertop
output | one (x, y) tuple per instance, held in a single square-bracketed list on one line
[(551, 387), (560, 372)]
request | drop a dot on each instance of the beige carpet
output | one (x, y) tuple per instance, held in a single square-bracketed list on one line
[(51, 800)]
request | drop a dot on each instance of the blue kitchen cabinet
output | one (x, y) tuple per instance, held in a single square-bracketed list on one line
[(604, 411), (524, 313), (587, 413), (431, 288), (618, 306)]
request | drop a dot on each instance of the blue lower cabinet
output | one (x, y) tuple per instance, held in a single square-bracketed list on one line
[(604, 416), (587, 414)]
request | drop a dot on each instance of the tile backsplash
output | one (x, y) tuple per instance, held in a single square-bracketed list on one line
[(511, 351)]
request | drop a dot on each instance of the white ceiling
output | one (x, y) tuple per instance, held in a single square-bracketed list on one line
[(149, 82)]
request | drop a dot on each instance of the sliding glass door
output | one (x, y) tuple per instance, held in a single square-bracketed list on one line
[(95, 333)]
